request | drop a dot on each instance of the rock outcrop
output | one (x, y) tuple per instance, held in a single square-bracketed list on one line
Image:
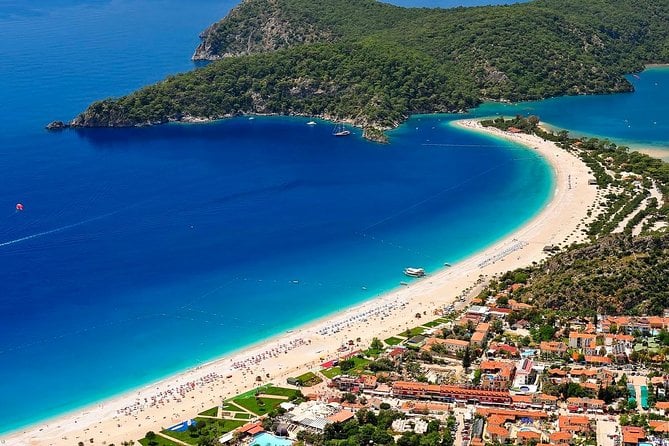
[(256, 26), (56, 125)]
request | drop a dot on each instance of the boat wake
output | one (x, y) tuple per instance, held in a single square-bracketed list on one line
[(56, 230)]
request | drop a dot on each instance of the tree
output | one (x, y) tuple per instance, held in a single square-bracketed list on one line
[(376, 344), (477, 377), (466, 358), (348, 397), (346, 365)]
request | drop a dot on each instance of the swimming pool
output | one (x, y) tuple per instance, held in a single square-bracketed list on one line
[(644, 397), (183, 426), (265, 439)]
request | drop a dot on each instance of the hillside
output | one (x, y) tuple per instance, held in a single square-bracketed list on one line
[(373, 64), (617, 274)]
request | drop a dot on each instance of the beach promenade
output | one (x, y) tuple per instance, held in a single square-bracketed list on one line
[(165, 403)]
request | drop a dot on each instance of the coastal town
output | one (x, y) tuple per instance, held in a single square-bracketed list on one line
[(491, 372)]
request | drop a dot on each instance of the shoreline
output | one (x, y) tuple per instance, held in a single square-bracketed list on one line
[(207, 385)]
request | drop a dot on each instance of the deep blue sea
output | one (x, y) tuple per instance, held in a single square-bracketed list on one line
[(141, 252)]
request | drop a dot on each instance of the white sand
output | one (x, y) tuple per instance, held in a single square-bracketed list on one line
[(131, 415)]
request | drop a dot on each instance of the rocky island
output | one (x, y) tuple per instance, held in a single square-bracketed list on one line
[(374, 64)]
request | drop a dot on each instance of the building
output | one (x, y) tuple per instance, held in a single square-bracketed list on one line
[(535, 401), (501, 349), (552, 348), (450, 393), (633, 435), (497, 374), (585, 404), (477, 339), (451, 346), (525, 373), (561, 438), (574, 424), (583, 341)]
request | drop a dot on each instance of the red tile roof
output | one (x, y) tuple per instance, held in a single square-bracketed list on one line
[(632, 434), (341, 416)]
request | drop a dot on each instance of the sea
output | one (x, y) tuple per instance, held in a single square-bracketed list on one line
[(140, 253)]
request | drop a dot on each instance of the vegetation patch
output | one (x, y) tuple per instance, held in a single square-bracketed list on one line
[(331, 372), (204, 430), (258, 405), (210, 412), (432, 324), (393, 341), (151, 439), (281, 391), (409, 333), (308, 379)]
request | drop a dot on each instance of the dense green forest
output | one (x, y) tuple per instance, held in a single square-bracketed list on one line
[(617, 274), (374, 64)]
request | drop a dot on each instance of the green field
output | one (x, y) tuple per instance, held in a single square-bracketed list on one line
[(205, 427), (227, 407), (157, 441), (210, 412), (393, 341), (359, 367), (331, 372), (433, 323), (259, 406), (309, 379), (281, 391), (412, 332)]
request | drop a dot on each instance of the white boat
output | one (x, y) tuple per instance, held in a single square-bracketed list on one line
[(339, 130), (311, 123), (414, 272)]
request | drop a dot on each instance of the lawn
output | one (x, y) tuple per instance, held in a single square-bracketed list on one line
[(331, 372), (373, 352), (242, 416), (203, 427), (412, 332), (359, 367), (210, 412), (281, 391), (258, 406), (393, 341), (227, 407), (157, 441), (433, 323), (309, 379)]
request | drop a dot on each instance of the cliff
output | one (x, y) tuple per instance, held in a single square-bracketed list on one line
[(256, 26)]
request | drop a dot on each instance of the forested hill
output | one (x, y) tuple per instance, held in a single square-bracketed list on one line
[(617, 274), (374, 64)]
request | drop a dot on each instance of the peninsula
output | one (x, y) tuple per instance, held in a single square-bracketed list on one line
[(373, 64)]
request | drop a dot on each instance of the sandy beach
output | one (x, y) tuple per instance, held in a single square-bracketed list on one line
[(165, 403)]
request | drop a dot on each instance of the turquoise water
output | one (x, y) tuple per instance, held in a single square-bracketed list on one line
[(265, 439), (142, 252), (638, 119), (644, 397)]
